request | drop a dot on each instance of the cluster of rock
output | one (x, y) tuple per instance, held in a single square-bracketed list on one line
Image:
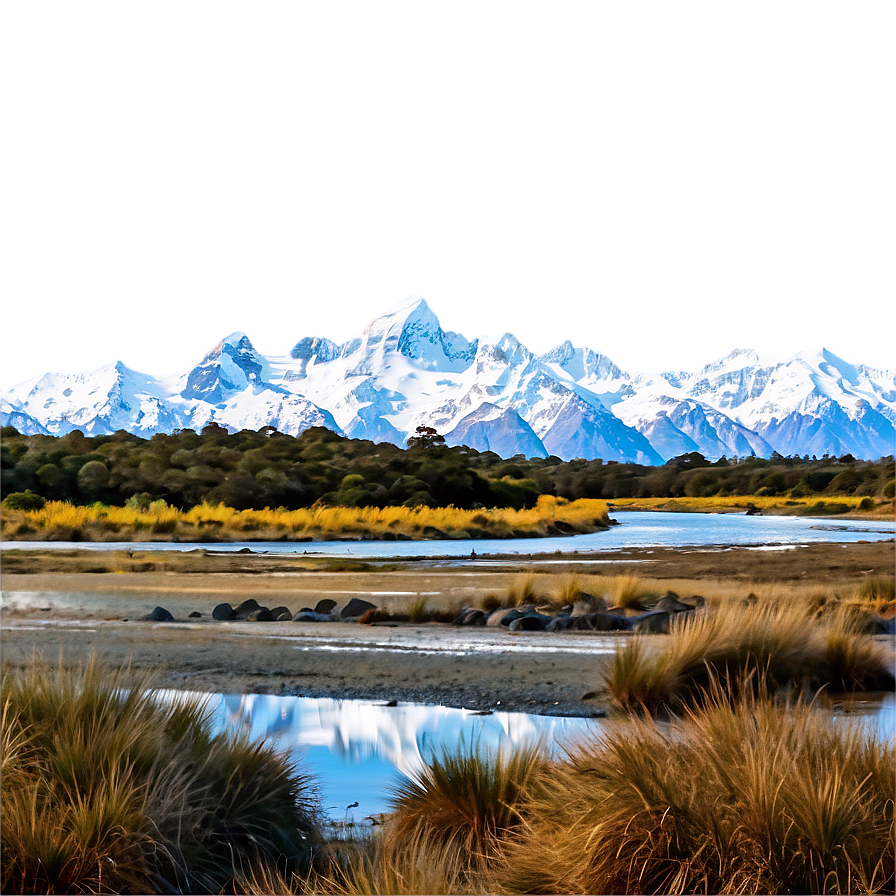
[(587, 613), (251, 611)]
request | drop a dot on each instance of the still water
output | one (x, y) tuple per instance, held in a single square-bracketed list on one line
[(358, 749), (636, 529)]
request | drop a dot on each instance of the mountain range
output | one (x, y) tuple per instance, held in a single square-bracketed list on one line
[(405, 371)]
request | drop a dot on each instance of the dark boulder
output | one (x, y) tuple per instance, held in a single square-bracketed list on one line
[(563, 623), (245, 608), (531, 622), (326, 606), (669, 603), (262, 614), (881, 625), (159, 614), (356, 607), (652, 623), (195, 615), (470, 616), (223, 611), (498, 616), (607, 622), (281, 614)]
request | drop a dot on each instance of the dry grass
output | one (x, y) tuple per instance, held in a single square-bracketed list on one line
[(521, 590), (215, 522), (468, 797), (105, 789), (774, 645), (630, 593), (743, 798), (740, 503)]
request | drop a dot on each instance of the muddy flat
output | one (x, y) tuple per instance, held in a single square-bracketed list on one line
[(71, 603)]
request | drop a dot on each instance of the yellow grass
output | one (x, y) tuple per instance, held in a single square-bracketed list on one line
[(215, 522), (738, 503)]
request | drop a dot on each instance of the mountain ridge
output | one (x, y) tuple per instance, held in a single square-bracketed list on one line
[(404, 370)]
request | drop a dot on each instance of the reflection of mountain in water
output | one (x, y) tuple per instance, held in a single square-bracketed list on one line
[(356, 730)]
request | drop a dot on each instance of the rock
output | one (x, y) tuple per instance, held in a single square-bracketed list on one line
[(245, 608), (262, 614), (562, 623), (310, 616), (496, 617), (607, 622), (433, 532), (469, 616), (356, 607), (281, 614), (195, 615), (326, 606), (531, 622), (652, 623), (223, 611), (159, 614), (669, 603), (881, 625)]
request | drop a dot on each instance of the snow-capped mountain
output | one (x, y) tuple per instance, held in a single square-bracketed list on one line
[(404, 370)]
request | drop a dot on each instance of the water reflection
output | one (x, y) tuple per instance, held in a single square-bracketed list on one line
[(358, 749)]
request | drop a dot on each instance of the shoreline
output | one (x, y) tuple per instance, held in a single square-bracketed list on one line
[(67, 605)]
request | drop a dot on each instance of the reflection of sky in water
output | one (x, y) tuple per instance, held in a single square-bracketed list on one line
[(357, 749), (638, 529)]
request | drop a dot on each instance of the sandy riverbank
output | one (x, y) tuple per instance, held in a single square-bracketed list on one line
[(54, 605)]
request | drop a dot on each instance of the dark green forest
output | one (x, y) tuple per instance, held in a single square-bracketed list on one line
[(266, 468)]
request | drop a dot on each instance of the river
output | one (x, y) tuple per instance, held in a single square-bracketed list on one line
[(636, 529)]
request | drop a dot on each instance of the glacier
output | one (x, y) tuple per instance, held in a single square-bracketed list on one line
[(492, 394)]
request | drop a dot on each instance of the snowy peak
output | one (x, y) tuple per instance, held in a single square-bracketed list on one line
[(404, 370)]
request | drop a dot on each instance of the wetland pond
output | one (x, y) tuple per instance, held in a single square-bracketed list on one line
[(358, 749)]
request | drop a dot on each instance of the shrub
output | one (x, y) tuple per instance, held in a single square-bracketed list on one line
[(25, 500)]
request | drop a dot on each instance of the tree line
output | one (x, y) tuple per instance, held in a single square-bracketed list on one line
[(266, 468)]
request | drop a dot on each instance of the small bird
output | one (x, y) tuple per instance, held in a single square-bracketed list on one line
[(353, 805)]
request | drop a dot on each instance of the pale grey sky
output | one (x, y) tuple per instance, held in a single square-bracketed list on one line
[(662, 182)]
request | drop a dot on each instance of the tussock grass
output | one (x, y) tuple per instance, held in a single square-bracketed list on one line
[(630, 593), (105, 789), (768, 644), (521, 590), (60, 520), (418, 609), (567, 590), (879, 590), (387, 866), (466, 798), (749, 797)]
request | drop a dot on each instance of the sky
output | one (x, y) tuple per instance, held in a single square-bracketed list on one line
[(661, 182)]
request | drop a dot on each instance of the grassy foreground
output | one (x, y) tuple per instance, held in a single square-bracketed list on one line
[(105, 789), (61, 521), (743, 797)]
